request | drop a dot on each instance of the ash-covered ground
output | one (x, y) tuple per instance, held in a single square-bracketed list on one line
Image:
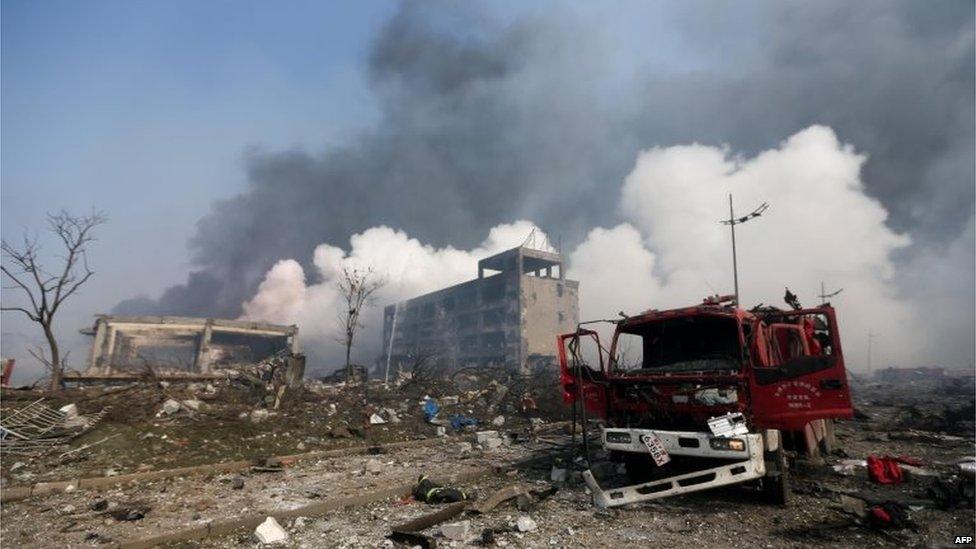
[(929, 422)]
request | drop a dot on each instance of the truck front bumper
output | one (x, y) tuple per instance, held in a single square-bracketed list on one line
[(743, 465)]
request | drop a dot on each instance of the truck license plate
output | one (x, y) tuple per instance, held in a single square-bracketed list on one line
[(656, 448)]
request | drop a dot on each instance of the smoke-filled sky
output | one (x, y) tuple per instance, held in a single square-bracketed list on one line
[(245, 150)]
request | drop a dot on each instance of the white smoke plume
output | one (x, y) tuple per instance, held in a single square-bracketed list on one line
[(671, 251), (820, 227), (287, 295)]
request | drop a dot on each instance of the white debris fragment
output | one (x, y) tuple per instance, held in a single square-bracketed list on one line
[(376, 419), (192, 404), (849, 467), (170, 407), (498, 421), (558, 474), (270, 531), (482, 436), (492, 444), (391, 415), (259, 415), (525, 524), (457, 531), (374, 466), (70, 411), (440, 431)]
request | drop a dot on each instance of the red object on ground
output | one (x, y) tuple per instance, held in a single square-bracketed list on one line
[(880, 517), (8, 369), (884, 470)]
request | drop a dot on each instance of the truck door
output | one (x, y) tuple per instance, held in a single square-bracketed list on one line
[(582, 370), (804, 379)]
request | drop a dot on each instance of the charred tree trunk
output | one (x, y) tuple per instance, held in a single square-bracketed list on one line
[(56, 373)]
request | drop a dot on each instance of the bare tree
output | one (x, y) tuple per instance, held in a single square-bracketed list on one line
[(357, 288), (47, 290)]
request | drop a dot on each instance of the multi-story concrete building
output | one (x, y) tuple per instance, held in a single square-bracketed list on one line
[(508, 316)]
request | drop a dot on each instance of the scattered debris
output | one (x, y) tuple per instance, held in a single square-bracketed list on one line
[(169, 408), (884, 470), (428, 492), (431, 409), (952, 493), (460, 421), (374, 466), (558, 474), (525, 524), (891, 515), (130, 512), (457, 531), (270, 531), (849, 467)]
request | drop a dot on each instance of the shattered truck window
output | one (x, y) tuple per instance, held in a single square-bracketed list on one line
[(629, 352), (800, 336), (693, 343)]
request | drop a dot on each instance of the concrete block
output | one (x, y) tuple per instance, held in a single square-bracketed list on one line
[(457, 531), (482, 436), (270, 531)]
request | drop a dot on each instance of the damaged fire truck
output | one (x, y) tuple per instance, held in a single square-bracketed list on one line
[(706, 396)]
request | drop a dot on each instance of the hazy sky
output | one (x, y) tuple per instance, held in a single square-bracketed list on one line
[(153, 112)]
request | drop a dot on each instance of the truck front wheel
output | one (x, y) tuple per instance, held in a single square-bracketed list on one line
[(776, 483)]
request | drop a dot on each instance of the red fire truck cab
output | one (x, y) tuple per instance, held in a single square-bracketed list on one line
[(706, 396)]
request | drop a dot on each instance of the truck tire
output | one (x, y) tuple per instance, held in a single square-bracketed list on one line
[(776, 483)]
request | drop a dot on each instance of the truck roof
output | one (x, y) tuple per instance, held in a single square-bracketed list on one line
[(705, 309)]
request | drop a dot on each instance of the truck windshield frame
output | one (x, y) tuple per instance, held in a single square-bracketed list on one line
[(681, 344)]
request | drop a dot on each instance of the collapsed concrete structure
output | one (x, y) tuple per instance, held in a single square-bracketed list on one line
[(506, 318), (175, 347)]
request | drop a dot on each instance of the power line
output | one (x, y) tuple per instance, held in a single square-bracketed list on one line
[(871, 336), (824, 296), (732, 221)]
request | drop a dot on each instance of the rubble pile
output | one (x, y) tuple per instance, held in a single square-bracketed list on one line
[(255, 411)]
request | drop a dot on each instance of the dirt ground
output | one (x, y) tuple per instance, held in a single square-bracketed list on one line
[(929, 422)]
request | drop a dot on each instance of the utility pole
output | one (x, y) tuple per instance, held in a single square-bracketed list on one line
[(824, 295), (871, 337), (732, 222)]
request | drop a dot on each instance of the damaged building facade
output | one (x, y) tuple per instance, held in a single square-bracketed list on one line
[(176, 347), (508, 316)]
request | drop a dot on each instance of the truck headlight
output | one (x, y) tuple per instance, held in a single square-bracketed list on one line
[(734, 444), (618, 437)]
